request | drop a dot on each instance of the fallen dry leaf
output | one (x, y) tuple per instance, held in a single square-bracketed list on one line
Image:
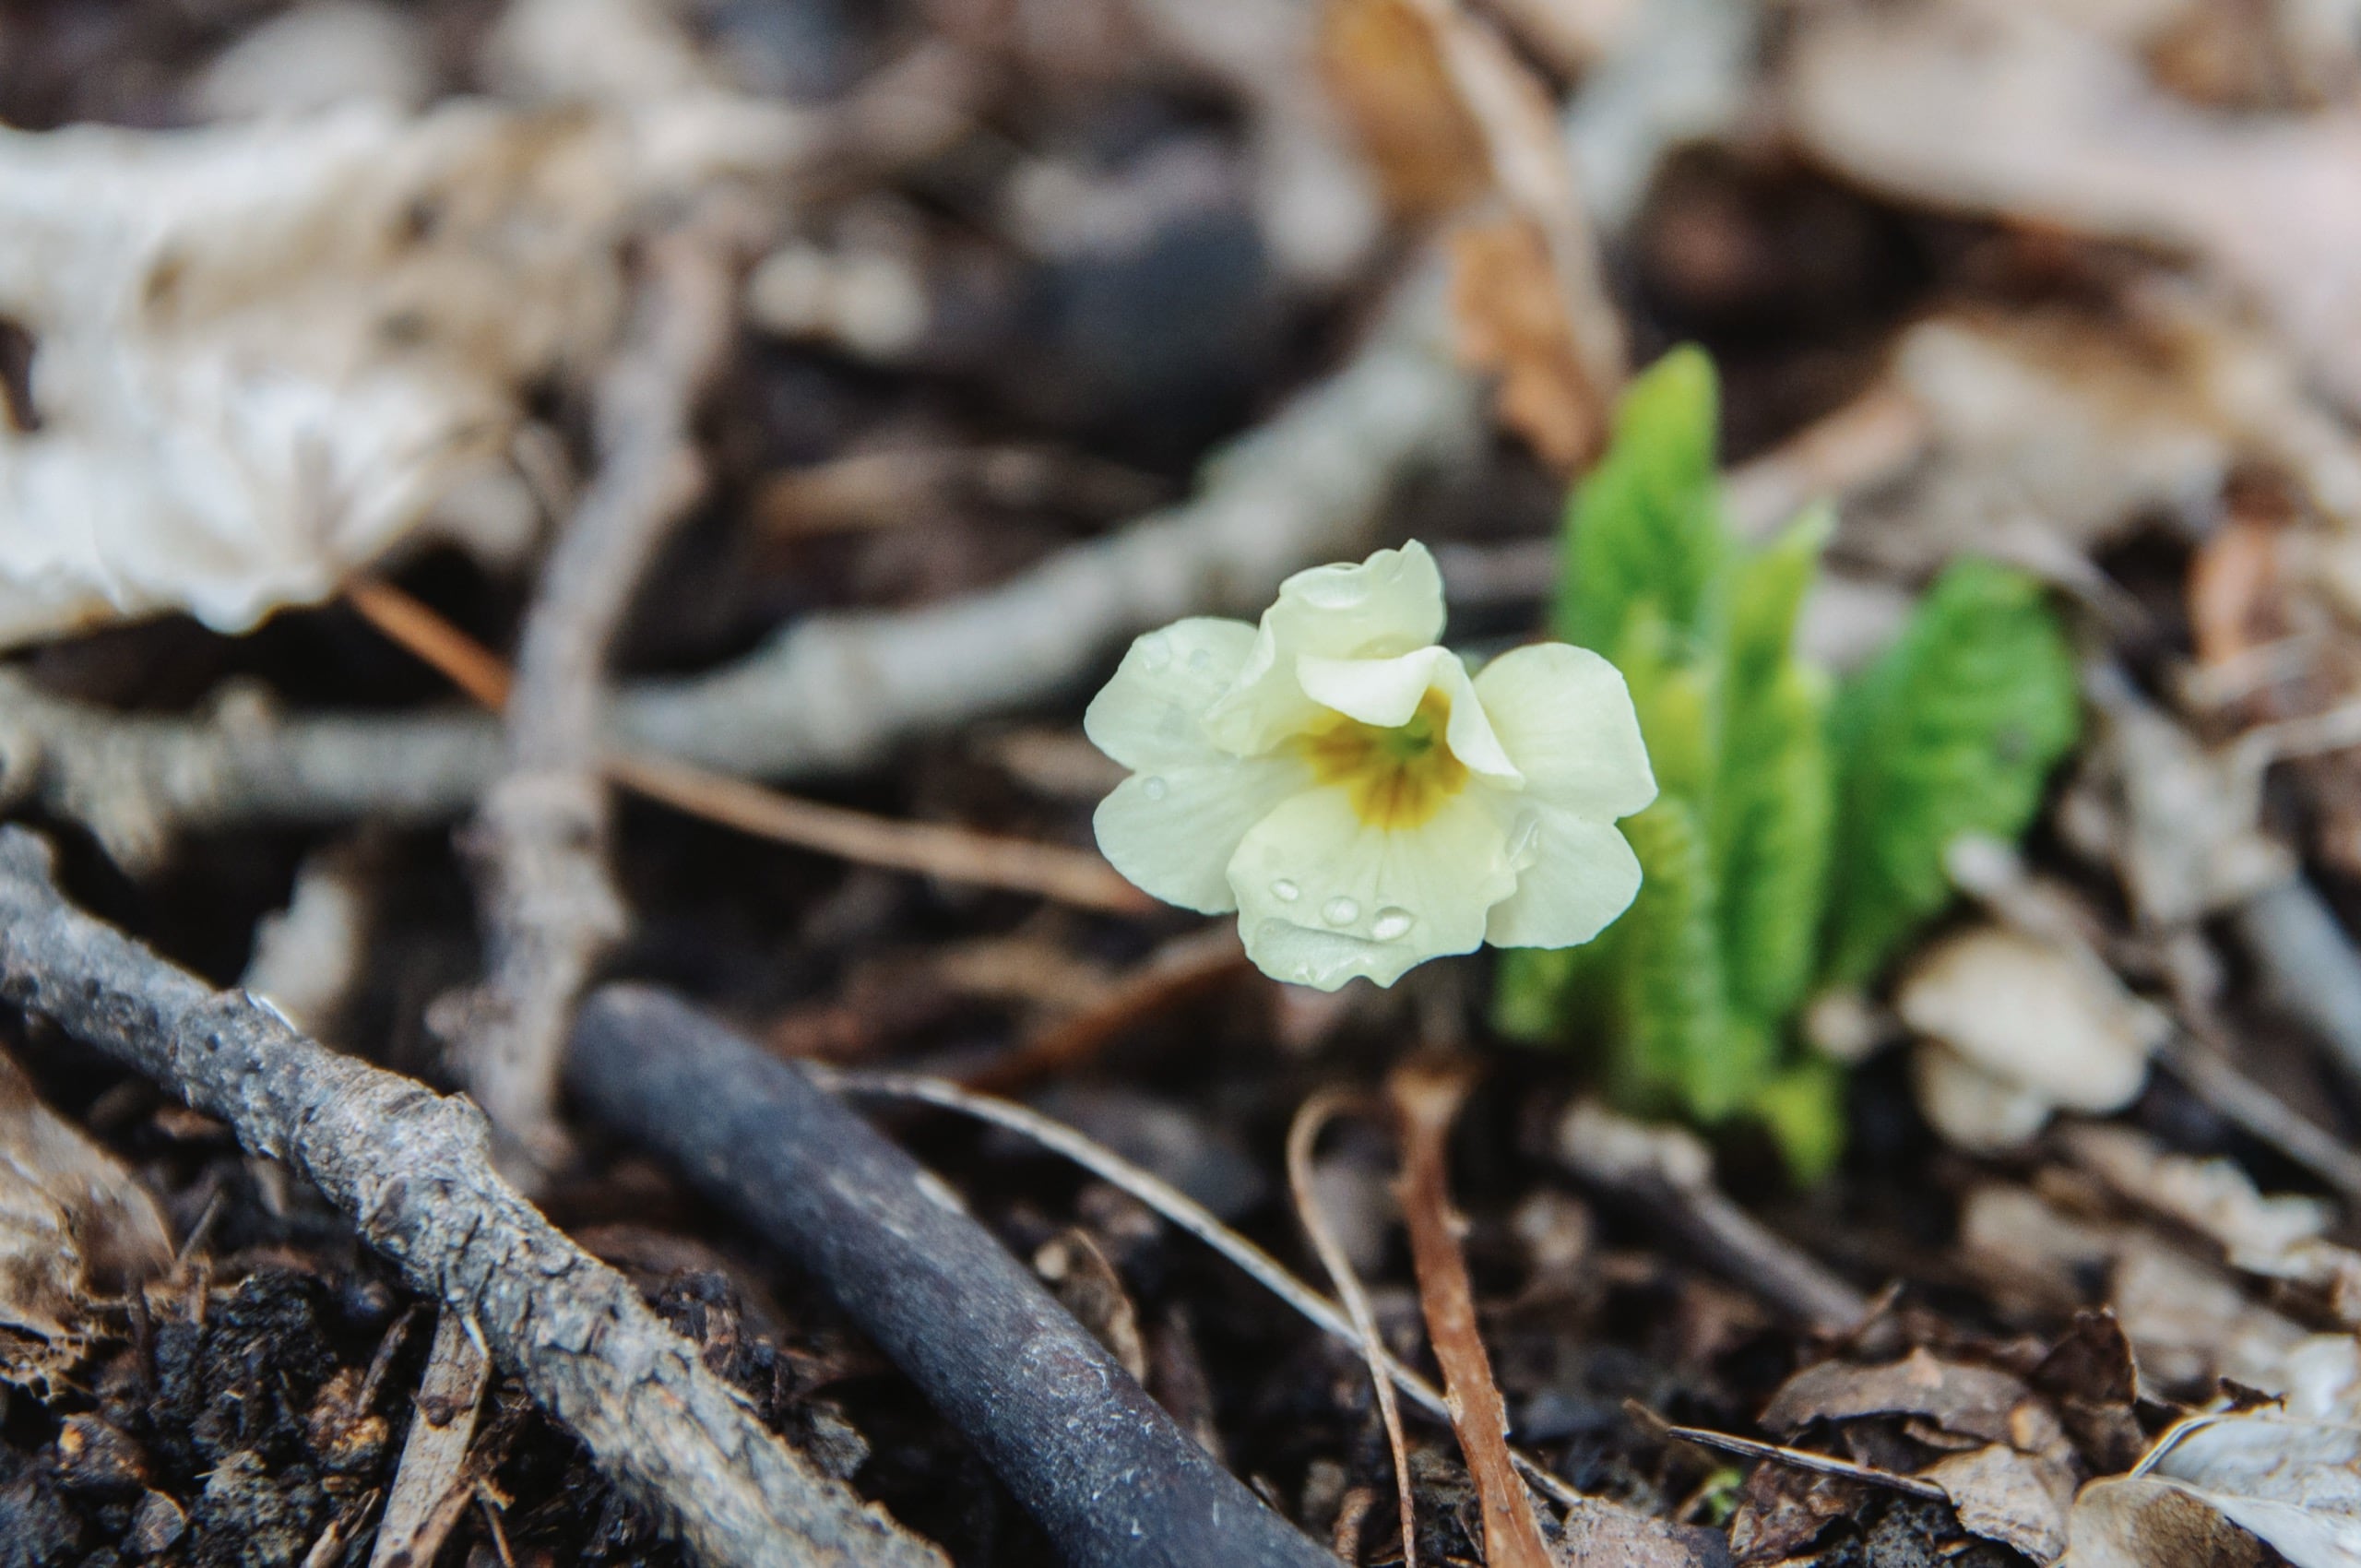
[(2015, 1027), (1378, 59), (2292, 1483), (2188, 1321), (1959, 1397), (1511, 318), (2017, 110), (1449, 114), (2020, 1500), (263, 354), (75, 1225), (2282, 1238)]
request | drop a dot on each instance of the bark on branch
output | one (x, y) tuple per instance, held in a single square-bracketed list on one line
[(410, 1168)]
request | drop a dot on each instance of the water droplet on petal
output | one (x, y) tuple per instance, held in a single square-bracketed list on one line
[(1340, 910), (1156, 789), (1201, 659), (1155, 652), (1392, 923), (1524, 839), (1285, 892)]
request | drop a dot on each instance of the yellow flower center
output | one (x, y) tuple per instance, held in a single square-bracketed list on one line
[(1395, 778)]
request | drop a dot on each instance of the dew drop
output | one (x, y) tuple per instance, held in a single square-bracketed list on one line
[(1201, 659), (1156, 653), (1392, 921), (1340, 910), (1285, 892), (1523, 839), (1156, 789)]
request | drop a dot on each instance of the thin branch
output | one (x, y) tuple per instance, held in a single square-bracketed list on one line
[(1112, 1479), (1079, 877), (955, 854), (1303, 1135), (1426, 1101), (450, 1394), (829, 693), (410, 1169), (538, 845), (1802, 1459), (1178, 969), (1667, 1173)]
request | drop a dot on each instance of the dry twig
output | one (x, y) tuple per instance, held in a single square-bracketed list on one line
[(410, 1168), (419, 1513), (1180, 968), (1668, 1173), (1303, 1135), (1426, 1100), (537, 845), (955, 854)]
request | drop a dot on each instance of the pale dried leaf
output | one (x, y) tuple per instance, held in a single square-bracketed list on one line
[(2017, 110), (1959, 1397), (2039, 1017), (2278, 1238), (264, 353), (2020, 1500), (2294, 1484), (1512, 323)]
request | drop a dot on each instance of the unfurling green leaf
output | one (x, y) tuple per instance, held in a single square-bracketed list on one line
[(1954, 731), (1787, 843), (1681, 1044), (1645, 527), (1803, 1106), (1773, 799)]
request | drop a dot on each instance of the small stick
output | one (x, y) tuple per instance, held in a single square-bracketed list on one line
[(1178, 969), (1802, 1459), (1303, 1135), (2309, 965), (2205, 1068), (1426, 1100), (1667, 1173), (955, 854), (411, 1169), (538, 845), (1110, 1477), (443, 1423)]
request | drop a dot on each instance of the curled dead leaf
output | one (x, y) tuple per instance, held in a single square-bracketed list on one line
[(1511, 315), (75, 1225)]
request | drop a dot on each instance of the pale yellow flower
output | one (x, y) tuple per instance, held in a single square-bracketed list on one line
[(1365, 805)]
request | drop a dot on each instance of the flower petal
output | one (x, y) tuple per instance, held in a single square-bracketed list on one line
[(1323, 896), (1386, 605), (1151, 713), (1574, 876), (1172, 834), (1386, 693), (1564, 717)]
